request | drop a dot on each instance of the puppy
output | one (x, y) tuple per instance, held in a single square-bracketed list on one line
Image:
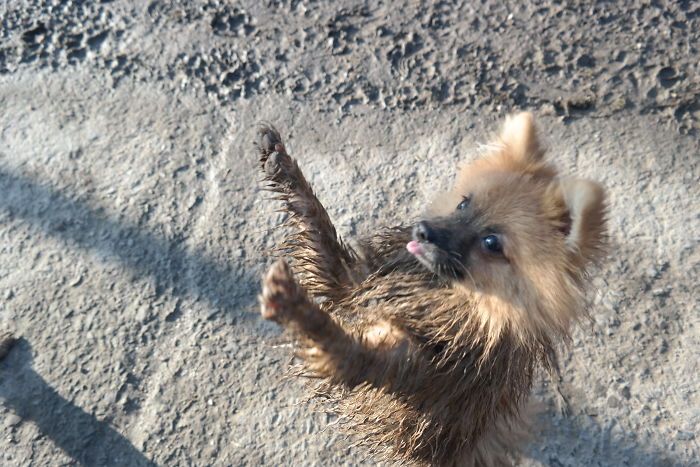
[(427, 336)]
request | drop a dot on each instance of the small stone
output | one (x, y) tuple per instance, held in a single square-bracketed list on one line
[(619, 103), (625, 392), (661, 292), (613, 402)]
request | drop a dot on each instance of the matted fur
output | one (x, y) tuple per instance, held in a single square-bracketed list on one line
[(425, 368)]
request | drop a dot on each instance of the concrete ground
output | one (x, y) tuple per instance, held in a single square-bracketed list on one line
[(133, 228)]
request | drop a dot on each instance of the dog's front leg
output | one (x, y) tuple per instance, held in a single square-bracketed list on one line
[(379, 356), (318, 255)]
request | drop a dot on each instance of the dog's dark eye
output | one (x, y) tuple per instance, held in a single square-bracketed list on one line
[(464, 203), (492, 244)]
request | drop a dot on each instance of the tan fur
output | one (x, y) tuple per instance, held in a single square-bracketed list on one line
[(428, 370)]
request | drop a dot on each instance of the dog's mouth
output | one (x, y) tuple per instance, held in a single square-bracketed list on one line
[(416, 248), (424, 253), (436, 260)]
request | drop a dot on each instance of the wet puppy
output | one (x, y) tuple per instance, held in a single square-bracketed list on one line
[(427, 336)]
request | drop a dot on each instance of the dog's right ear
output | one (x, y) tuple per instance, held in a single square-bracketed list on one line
[(519, 139), (586, 224)]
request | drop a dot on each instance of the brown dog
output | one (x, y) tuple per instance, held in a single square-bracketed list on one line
[(428, 336)]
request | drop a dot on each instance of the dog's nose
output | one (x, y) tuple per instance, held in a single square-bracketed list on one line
[(422, 232)]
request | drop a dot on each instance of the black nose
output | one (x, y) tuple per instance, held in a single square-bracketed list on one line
[(422, 232)]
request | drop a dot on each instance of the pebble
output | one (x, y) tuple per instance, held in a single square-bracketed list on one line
[(625, 392), (661, 292)]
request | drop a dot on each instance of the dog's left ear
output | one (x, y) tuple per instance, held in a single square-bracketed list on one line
[(584, 202), (520, 141)]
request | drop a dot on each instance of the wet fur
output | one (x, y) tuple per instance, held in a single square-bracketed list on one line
[(427, 369)]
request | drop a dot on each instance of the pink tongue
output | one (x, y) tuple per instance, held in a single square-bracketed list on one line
[(414, 247)]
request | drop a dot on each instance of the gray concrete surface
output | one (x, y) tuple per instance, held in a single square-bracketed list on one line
[(133, 230)]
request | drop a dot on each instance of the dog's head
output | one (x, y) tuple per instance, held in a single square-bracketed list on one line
[(514, 232)]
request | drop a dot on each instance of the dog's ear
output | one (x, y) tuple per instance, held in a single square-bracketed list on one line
[(517, 149), (519, 139), (585, 219)]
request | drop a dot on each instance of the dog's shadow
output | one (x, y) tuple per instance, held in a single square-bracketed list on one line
[(79, 434)]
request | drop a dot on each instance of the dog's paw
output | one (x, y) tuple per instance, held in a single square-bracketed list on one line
[(269, 140), (279, 293), (273, 155)]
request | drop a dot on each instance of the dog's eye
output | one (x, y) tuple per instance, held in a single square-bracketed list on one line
[(492, 244), (464, 203)]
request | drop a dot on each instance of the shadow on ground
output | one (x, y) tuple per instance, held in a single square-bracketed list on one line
[(79, 434), (174, 266)]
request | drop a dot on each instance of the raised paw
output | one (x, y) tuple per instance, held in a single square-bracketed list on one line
[(274, 159), (280, 293), (269, 140)]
